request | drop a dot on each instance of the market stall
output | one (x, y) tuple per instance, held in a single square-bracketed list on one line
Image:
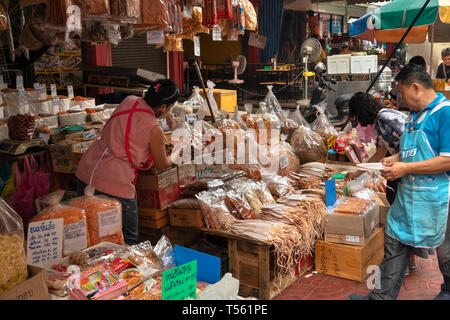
[(278, 197)]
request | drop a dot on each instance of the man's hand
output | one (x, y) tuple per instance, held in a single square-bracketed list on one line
[(353, 174), (389, 161), (169, 120), (395, 170)]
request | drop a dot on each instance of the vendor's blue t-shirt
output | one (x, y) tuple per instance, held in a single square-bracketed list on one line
[(437, 129)]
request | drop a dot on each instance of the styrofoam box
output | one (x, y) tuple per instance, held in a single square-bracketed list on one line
[(338, 64), (364, 64)]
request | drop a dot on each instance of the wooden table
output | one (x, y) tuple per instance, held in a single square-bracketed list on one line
[(250, 261)]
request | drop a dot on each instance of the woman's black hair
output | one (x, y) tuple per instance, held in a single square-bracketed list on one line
[(364, 107), (162, 92), (418, 60)]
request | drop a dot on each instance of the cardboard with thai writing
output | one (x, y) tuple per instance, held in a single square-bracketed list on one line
[(44, 241)]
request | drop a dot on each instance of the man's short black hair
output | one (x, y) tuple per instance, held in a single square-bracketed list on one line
[(414, 73), (418, 60), (445, 52)]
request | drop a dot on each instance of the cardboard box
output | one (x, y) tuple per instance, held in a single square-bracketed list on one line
[(186, 217), (184, 182), (153, 214), (34, 288), (147, 222), (384, 209), (186, 171), (349, 229), (226, 99), (159, 181), (158, 199), (62, 154), (349, 262)]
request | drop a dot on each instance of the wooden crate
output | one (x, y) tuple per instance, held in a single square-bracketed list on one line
[(347, 261), (254, 265), (186, 217)]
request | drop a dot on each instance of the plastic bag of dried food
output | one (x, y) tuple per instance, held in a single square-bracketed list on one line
[(238, 205), (288, 125), (21, 127), (231, 130), (272, 124), (263, 192), (104, 217), (13, 262), (201, 184), (188, 203), (279, 186), (214, 210), (96, 9), (154, 16), (253, 121), (308, 145), (322, 125), (272, 104), (94, 31), (251, 18), (248, 189), (56, 14), (288, 158), (75, 234), (126, 11), (195, 100)]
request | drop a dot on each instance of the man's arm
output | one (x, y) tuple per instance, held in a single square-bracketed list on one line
[(434, 165)]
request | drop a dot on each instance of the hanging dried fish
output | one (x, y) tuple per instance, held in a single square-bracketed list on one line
[(3, 19)]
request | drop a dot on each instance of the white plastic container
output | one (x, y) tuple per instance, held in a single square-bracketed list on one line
[(364, 64), (338, 64)]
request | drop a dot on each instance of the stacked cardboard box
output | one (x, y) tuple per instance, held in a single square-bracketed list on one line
[(352, 244)]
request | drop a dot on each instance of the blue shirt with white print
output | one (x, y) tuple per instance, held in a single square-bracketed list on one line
[(437, 129)]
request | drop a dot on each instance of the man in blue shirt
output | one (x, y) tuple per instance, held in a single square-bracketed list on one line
[(418, 217)]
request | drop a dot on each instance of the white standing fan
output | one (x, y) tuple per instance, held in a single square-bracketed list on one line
[(309, 52), (239, 66)]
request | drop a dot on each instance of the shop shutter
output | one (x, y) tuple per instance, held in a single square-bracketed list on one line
[(135, 52)]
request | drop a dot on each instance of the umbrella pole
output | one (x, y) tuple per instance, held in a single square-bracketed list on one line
[(397, 46), (431, 49)]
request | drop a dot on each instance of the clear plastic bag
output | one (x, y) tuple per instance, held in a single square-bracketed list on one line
[(263, 192), (13, 262), (238, 205), (196, 100), (104, 217), (215, 212), (308, 145), (76, 236), (126, 11), (272, 104), (253, 121), (154, 16), (164, 251), (212, 101), (226, 289), (279, 186), (322, 125), (299, 119), (271, 123), (288, 125), (96, 9), (288, 158)]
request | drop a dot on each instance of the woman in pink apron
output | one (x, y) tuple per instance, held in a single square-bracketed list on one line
[(130, 141)]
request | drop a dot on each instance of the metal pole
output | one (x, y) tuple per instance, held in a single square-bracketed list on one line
[(397, 46), (431, 49)]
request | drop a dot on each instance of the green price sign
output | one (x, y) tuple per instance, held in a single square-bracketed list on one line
[(180, 283)]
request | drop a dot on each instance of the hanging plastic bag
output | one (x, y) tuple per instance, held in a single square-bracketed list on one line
[(298, 117), (154, 16), (13, 262), (22, 201), (75, 234), (195, 101), (212, 101), (272, 104), (251, 18), (322, 125), (104, 217), (40, 174)]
